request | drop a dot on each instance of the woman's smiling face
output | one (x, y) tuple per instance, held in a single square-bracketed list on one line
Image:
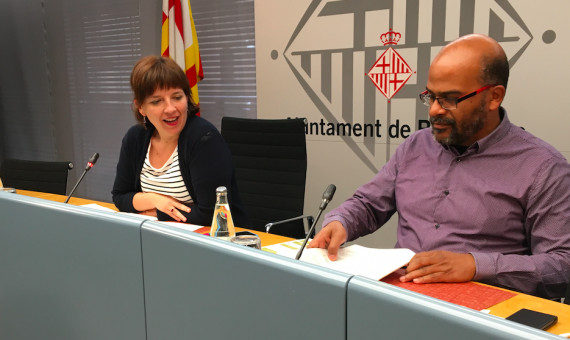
[(167, 110)]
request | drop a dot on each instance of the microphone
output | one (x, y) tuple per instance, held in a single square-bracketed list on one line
[(89, 165), (327, 197)]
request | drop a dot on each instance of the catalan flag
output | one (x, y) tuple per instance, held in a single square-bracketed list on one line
[(179, 41)]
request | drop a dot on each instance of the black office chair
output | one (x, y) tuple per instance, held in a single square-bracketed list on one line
[(41, 176), (567, 297), (270, 158)]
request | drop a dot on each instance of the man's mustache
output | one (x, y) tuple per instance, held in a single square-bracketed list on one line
[(442, 120)]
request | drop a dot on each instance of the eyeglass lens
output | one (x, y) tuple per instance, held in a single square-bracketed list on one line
[(446, 103)]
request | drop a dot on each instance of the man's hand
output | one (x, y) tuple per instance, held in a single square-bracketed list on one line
[(440, 266), (330, 237)]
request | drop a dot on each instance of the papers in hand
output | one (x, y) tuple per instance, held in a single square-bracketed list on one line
[(372, 263), (368, 262)]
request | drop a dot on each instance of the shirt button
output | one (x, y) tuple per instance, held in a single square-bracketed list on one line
[(437, 226), (458, 160), (446, 192)]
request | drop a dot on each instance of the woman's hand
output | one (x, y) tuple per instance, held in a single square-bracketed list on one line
[(150, 212), (145, 201), (171, 207)]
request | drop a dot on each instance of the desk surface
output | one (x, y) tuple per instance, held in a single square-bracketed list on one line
[(266, 239), (502, 309)]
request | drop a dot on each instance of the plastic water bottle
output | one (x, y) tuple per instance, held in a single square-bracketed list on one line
[(222, 223)]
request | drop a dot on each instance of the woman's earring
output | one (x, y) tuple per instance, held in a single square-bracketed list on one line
[(144, 119)]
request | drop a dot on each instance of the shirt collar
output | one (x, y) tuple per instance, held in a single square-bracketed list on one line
[(499, 133)]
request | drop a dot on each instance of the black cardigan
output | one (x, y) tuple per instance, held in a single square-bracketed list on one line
[(205, 164)]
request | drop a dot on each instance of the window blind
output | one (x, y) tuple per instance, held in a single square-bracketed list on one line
[(226, 37), (64, 90)]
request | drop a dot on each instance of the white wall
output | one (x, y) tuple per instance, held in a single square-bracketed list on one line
[(336, 89)]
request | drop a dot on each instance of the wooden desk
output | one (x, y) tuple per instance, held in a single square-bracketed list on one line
[(61, 198), (266, 239), (520, 300), (502, 309)]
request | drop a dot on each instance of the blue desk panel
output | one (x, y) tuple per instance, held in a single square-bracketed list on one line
[(377, 310), (203, 288), (68, 272)]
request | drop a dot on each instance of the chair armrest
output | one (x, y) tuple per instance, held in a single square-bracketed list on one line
[(310, 220)]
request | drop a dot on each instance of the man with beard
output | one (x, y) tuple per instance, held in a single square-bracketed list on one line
[(477, 197)]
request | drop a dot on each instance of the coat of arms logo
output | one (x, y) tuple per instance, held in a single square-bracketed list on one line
[(336, 42), (390, 71)]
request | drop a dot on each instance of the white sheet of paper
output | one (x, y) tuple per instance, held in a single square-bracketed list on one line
[(185, 226), (372, 263), (97, 207), (139, 216), (358, 260), (287, 249)]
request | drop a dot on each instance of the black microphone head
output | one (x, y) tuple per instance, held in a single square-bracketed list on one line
[(329, 192), (327, 196), (94, 158), (92, 161)]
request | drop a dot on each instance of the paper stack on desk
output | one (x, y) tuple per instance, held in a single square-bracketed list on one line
[(357, 260)]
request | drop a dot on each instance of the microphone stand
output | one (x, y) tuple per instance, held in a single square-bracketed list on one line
[(309, 234), (75, 187), (309, 218), (327, 197), (90, 164)]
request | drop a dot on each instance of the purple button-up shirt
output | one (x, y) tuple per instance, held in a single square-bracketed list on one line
[(505, 200)]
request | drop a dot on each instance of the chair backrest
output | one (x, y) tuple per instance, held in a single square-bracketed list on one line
[(270, 158), (35, 175)]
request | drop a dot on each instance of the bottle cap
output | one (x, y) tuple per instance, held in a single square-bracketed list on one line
[(221, 189)]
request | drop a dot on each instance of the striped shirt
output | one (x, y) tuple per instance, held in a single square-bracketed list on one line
[(166, 180)]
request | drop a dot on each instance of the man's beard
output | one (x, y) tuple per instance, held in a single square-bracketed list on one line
[(469, 127)]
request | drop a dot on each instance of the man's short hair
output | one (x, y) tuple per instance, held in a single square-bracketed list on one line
[(496, 71)]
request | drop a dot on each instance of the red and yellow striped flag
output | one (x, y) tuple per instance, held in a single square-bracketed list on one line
[(179, 41)]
